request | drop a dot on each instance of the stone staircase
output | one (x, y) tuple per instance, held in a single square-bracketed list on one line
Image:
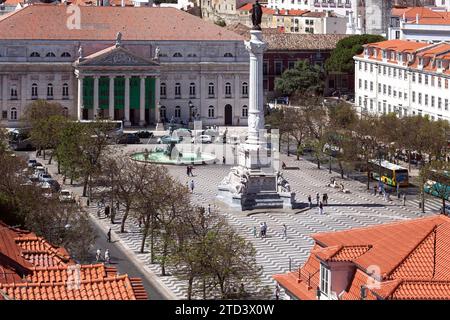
[(264, 199)]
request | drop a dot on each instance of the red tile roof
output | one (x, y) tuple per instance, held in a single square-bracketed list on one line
[(33, 269), (413, 258), (103, 23), (114, 288)]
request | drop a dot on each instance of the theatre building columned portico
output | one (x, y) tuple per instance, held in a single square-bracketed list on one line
[(117, 84)]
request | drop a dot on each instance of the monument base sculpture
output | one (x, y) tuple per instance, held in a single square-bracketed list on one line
[(247, 186)]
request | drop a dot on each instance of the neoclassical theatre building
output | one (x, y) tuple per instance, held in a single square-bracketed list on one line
[(136, 64)]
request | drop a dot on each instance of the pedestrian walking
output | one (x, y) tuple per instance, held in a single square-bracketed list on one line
[(208, 210), (404, 199), (188, 169), (191, 170), (310, 201), (108, 235), (284, 231), (107, 256), (277, 292), (261, 230), (98, 255), (321, 208), (375, 190), (317, 198), (223, 159), (254, 231), (192, 186), (107, 211), (398, 190), (117, 205), (324, 199), (265, 229)]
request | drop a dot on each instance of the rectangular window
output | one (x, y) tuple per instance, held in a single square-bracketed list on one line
[(440, 103), (265, 67), (426, 99), (419, 98), (446, 104), (384, 89), (278, 67), (324, 279), (360, 83), (379, 88), (371, 86)]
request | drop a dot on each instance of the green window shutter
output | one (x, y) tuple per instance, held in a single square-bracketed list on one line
[(135, 92), (150, 93), (88, 92), (119, 93), (103, 92)]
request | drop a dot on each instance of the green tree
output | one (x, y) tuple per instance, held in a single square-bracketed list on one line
[(303, 79), (341, 58), (438, 172)]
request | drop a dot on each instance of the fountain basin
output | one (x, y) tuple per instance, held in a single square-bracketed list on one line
[(160, 157)]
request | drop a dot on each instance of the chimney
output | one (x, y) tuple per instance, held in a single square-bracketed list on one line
[(363, 293)]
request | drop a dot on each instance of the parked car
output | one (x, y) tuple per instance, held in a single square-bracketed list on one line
[(167, 139), (144, 134), (38, 171), (23, 145), (31, 163), (128, 138), (45, 177), (202, 139), (66, 196)]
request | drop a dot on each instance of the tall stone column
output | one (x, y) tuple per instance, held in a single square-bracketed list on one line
[(5, 93), (127, 101), (157, 99), (96, 109), (237, 111), (111, 97), (80, 98), (256, 47), (23, 95), (142, 102)]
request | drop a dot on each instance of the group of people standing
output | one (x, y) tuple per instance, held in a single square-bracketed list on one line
[(106, 257), (263, 230), (319, 204), (189, 169)]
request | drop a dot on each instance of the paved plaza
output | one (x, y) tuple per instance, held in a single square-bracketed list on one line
[(276, 254)]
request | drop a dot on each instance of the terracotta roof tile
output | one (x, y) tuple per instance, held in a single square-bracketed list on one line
[(103, 23), (112, 288), (413, 258)]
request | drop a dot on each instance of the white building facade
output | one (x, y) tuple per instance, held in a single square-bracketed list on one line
[(165, 63), (403, 77)]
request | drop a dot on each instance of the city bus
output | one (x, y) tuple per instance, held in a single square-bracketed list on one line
[(438, 185), (391, 174)]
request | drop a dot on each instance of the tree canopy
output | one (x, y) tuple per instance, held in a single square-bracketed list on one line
[(303, 79), (341, 58)]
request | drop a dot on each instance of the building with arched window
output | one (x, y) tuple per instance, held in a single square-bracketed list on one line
[(169, 58)]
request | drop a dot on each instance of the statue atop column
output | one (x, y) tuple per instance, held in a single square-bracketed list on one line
[(257, 15), (157, 51)]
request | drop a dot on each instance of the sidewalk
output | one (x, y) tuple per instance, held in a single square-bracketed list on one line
[(120, 245)]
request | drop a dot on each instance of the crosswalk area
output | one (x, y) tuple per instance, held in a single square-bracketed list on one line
[(275, 253)]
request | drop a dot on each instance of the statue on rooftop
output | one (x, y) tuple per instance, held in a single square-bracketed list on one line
[(80, 52), (119, 39), (257, 15)]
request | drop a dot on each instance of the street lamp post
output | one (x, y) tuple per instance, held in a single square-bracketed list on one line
[(190, 110)]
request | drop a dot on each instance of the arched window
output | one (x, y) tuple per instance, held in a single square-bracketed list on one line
[(211, 89), (177, 90), (244, 111), (244, 89), (192, 90), (13, 92), (177, 112), (228, 89), (34, 91), (162, 113), (65, 54), (65, 90), (49, 91), (192, 55), (211, 111), (228, 55), (13, 114), (35, 54), (50, 54), (163, 89), (177, 55)]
